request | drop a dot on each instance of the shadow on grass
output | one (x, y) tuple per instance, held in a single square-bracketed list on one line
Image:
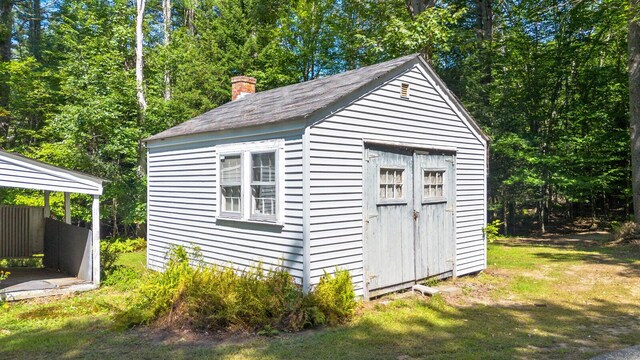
[(403, 329), (584, 248)]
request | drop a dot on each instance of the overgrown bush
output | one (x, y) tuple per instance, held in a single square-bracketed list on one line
[(335, 297), (213, 298), (492, 230)]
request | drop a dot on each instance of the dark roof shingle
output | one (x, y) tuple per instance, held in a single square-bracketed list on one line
[(297, 101)]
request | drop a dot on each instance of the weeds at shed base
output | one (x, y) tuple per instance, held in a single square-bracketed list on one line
[(210, 299)]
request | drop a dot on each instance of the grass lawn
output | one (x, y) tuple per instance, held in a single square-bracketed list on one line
[(539, 298)]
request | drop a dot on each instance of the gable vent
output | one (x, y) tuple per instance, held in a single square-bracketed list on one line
[(404, 91)]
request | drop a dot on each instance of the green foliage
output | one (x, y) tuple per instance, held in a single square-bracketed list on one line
[(123, 245), (492, 230), (335, 297), (547, 81), (212, 298), (4, 275), (31, 262), (109, 255), (110, 252)]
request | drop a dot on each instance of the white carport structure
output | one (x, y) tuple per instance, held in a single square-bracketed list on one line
[(71, 253)]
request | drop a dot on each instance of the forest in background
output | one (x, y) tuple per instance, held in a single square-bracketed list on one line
[(547, 80)]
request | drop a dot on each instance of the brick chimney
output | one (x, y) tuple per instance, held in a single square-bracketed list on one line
[(242, 85)]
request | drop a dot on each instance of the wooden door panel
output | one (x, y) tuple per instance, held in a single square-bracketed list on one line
[(434, 189), (389, 230)]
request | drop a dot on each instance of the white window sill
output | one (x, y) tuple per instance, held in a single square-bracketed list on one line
[(250, 221)]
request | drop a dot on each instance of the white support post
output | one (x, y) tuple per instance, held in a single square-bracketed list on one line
[(95, 228), (67, 208), (47, 209)]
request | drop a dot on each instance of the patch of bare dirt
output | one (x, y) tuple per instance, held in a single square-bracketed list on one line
[(186, 337)]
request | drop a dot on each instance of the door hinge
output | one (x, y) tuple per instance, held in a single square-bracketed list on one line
[(451, 210)]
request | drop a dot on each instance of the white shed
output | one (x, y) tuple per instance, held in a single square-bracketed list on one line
[(379, 170), (70, 254)]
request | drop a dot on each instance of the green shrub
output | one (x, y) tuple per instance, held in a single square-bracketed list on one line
[(214, 298), (492, 230), (109, 255), (127, 245), (30, 262), (4, 275), (335, 297)]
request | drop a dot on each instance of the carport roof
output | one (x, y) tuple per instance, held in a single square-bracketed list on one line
[(18, 171)]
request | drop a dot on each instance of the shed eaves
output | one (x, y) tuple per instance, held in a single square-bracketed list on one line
[(297, 101)]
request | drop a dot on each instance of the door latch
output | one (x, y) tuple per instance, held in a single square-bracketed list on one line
[(415, 215)]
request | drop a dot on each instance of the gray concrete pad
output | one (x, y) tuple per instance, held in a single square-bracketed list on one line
[(29, 282)]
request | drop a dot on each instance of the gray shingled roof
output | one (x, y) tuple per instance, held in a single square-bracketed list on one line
[(298, 101)]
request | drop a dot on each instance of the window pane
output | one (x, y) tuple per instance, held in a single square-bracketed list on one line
[(232, 198), (231, 170), (263, 184), (391, 183), (264, 199), (264, 167), (433, 184)]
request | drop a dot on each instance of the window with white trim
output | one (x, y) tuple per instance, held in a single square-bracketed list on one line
[(391, 184), (251, 187), (263, 184), (231, 183), (433, 184)]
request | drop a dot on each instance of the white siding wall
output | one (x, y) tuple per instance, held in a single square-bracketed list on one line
[(14, 173), (336, 160), (183, 205)]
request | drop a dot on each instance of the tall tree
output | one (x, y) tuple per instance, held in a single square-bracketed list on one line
[(35, 28), (166, 27), (142, 101), (6, 29), (634, 101)]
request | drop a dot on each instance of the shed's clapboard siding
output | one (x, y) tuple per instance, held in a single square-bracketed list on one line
[(182, 210), (336, 171)]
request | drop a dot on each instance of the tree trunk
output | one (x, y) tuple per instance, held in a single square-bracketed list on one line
[(485, 34), (416, 7), (166, 12), (6, 26), (142, 102), (634, 102), (505, 212), (35, 29), (189, 18)]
